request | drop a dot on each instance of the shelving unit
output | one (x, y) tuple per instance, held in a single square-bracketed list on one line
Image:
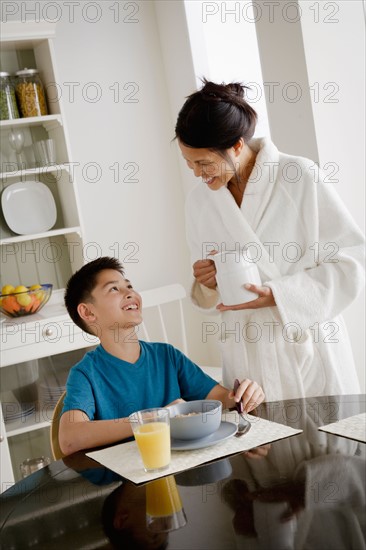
[(48, 257)]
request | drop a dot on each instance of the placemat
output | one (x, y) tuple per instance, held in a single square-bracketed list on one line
[(353, 427), (125, 460)]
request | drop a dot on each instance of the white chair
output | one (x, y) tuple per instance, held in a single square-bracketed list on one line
[(162, 324)]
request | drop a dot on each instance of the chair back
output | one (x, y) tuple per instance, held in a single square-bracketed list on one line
[(160, 307), (164, 320), (55, 423)]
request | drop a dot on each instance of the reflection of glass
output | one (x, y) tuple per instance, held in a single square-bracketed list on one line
[(31, 465), (152, 433), (164, 510), (16, 140)]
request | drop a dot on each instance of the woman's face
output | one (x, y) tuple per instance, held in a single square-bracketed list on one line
[(215, 170)]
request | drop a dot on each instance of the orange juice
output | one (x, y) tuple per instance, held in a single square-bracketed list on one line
[(153, 441), (162, 497)]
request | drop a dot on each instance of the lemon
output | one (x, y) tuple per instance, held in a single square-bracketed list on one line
[(24, 299), (40, 295), (20, 288), (7, 289), (35, 287)]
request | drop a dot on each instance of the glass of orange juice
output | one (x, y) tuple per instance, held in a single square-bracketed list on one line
[(151, 428), (164, 509)]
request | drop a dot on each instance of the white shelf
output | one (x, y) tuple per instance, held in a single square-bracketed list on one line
[(49, 122), (34, 236), (27, 424), (50, 332), (39, 171)]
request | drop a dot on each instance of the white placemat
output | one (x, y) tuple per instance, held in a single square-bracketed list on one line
[(353, 427), (125, 460)]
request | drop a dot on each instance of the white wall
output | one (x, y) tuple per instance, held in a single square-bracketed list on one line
[(334, 41), (144, 216), (225, 49)]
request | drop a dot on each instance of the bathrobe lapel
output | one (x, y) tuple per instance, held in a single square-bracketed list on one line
[(245, 221)]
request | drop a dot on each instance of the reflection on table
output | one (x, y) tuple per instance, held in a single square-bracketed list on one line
[(306, 491)]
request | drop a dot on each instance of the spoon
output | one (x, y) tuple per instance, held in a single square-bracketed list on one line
[(243, 425)]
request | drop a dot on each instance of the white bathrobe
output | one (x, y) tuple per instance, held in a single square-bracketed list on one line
[(309, 251)]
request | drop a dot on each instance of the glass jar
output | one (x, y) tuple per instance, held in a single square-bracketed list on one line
[(8, 102), (30, 93)]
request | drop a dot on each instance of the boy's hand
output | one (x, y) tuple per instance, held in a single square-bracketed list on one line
[(250, 393)]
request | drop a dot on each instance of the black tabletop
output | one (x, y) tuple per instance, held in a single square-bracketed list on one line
[(305, 491)]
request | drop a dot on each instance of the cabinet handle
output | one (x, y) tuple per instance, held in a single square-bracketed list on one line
[(48, 332), (1, 438)]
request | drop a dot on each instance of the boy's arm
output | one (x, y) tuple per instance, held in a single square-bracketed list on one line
[(77, 431), (249, 392)]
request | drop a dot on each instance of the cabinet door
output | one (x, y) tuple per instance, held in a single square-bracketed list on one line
[(6, 470)]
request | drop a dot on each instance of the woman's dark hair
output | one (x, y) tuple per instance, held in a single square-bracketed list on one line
[(216, 117), (82, 284)]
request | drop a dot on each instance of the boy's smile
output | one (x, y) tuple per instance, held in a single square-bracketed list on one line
[(115, 302)]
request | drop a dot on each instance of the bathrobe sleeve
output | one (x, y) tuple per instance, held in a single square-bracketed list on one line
[(322, 291), (201, 296)]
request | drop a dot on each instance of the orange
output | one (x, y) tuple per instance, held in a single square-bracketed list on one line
[(10, 304), (35, 305)]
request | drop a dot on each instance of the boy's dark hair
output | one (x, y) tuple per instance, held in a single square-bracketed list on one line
[(82, 283), (123, 539)]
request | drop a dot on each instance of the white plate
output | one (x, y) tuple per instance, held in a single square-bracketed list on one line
[(28, 207), (226, 430)]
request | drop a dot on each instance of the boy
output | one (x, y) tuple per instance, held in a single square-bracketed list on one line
[(124, 374)]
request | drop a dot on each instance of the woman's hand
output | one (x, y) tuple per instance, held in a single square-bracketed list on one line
[(265, 299), (204, 271)]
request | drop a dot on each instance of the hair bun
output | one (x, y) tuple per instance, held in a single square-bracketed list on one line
[(236, 89), (230, 93)]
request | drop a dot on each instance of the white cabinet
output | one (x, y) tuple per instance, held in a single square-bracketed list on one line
[(43, 257)]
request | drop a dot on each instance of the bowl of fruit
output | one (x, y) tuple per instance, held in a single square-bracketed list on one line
[(22, 300)]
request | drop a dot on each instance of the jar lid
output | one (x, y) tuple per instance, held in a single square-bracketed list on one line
[(4, 73), (26, 72)]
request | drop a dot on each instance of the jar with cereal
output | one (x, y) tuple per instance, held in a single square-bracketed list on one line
[(8, 102), (30, 93)]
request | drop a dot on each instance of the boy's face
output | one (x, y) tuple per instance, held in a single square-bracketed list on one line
[(115, 304)]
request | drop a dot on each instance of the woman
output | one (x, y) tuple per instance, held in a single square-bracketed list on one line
[(291, 337)]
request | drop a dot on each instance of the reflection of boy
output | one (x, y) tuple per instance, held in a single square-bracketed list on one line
[(124, 520), (123, 374)]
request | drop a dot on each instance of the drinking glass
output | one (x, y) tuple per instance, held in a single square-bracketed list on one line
[(151, 428), (45, 152), (16, 140), (164, 509)]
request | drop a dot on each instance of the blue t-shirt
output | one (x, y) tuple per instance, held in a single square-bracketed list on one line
[(105, 387)]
